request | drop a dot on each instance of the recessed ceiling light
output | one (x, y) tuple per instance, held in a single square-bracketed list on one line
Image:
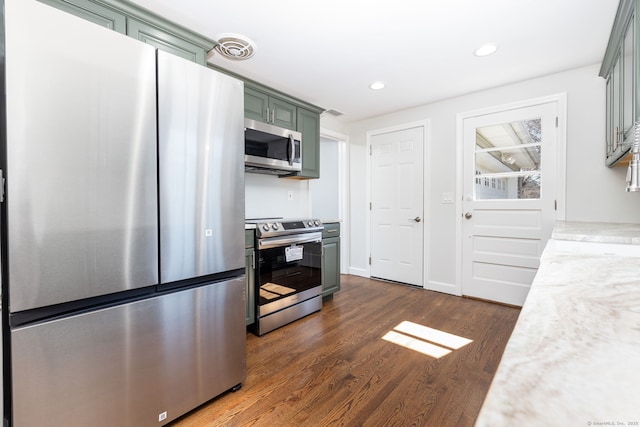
[(486, 50), (377, 85)]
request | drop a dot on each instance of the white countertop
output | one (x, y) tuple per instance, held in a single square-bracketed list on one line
[(574, 355), (597, 232)]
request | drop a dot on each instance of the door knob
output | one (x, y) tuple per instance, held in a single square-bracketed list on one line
[(417, 219), (468, 215)]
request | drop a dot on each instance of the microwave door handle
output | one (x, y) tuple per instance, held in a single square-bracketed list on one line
[(292, 149)]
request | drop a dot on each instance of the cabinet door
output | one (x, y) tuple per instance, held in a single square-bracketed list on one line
[(628, 104), (255, 104), (166, 41), (93, 12), (609, 116), (309, 126), (282, 113), (250, 316), (330, 265), (616, 77)]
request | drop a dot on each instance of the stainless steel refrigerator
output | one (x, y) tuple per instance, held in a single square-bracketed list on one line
[(122, 224)]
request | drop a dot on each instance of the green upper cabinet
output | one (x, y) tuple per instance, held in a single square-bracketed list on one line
[(94, 12), (269, 109), (283, 113), (621, 74), (166, 41), (129, 19), (255, 104), (309, 126)]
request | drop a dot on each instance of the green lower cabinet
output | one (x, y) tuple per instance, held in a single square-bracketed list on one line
[(250, 294), (250, 264), (330, 265), (330, 259)]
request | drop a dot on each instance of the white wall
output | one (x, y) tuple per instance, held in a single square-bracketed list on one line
[(324, 192), (268, 196), (594, 192)]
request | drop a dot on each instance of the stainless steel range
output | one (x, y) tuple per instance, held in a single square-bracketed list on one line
[(288, 272)]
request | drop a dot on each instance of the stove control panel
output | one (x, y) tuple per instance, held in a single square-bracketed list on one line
[(285, 227)]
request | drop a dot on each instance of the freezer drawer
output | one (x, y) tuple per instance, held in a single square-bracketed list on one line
[(130, 364)]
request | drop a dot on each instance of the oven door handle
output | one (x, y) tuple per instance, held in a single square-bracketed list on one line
[(274, 242)]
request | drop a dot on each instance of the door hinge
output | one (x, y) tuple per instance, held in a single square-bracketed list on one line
[(369, 260), (555, 204), (556, 121), (370, 206), (370, 150)]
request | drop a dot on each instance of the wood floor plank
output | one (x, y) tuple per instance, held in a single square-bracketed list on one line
[(333, 368)]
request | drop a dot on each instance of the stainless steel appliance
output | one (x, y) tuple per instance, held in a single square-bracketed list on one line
[(288, 271), (122, 230), (271, 149)]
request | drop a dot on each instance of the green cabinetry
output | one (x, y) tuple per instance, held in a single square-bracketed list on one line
[(619, 68), (166, 41), (269, 109), (330, 258), (269, 106), (129, 19), (309, 126), (94, 12), (250, 262)]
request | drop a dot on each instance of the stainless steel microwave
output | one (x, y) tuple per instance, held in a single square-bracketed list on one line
[(271, 149)]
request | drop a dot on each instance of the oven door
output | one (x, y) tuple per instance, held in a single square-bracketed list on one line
[(289, 271)]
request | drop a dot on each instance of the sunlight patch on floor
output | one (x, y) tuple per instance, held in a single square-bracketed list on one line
[(429, 341)]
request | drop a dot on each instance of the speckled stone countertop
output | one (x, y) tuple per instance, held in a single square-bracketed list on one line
[(574, 355)]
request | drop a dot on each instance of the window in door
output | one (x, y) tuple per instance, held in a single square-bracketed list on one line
[(507, 160)]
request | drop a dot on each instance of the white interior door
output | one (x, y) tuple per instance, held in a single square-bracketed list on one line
[(397, 205), (509, 199)]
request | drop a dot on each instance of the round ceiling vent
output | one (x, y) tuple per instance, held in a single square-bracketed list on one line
[(235, 47)]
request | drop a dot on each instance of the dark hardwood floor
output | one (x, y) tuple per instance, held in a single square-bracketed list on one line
[(334, 368)]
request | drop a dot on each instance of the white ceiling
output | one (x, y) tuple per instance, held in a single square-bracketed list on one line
[(327, 52)]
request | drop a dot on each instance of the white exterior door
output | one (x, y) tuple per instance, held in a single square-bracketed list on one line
[(509, 199), (397, 205)]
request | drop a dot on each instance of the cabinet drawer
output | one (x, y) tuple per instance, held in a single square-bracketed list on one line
[(331, 229)]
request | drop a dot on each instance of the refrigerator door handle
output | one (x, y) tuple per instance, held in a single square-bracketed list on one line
[(2, 186)]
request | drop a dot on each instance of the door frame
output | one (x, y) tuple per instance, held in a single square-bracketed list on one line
[(343, 196), (561, 163), (426, 188)]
